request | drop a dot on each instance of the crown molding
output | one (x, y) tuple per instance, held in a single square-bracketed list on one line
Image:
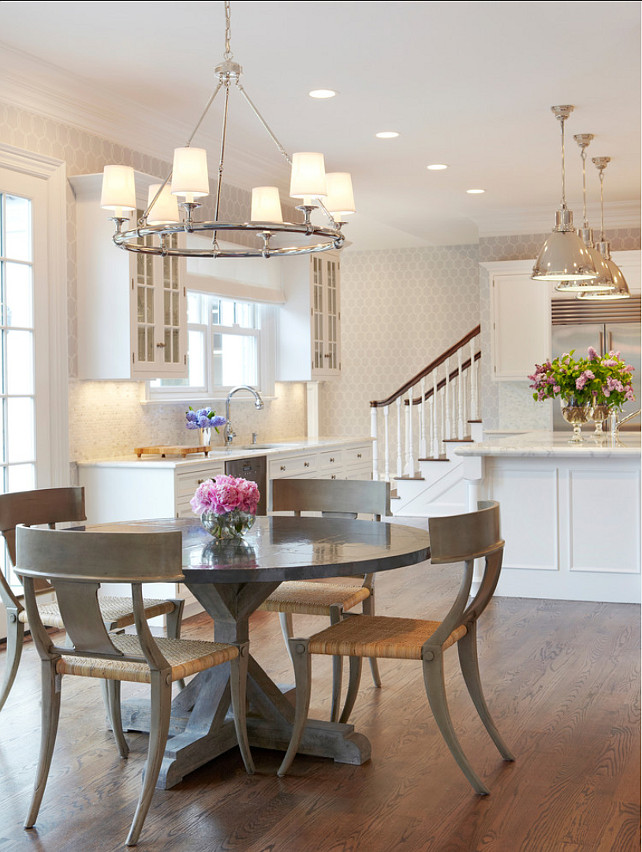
[(540, 220), (39, 87)]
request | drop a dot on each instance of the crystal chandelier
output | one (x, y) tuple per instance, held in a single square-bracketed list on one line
[(563, 257), (188, 182)]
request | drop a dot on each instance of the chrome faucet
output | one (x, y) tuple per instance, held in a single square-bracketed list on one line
[(229, 432)]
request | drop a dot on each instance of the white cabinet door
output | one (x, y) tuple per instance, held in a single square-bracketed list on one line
[(521, 320), (325, 315)]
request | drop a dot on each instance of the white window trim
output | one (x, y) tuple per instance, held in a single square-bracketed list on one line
[(266, 360), (53, 469)]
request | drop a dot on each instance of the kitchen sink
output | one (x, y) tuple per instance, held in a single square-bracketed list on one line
[(259, 446)]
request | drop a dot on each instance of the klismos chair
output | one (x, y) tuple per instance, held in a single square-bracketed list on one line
[(75, 563), (51, 506), (334, 498), (459, 538)]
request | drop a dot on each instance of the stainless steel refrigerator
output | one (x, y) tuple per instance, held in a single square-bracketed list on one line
[(606, 326)]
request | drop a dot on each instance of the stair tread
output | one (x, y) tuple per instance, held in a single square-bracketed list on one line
[(458, 440), (474, 421), (435, 458), (410, 478)]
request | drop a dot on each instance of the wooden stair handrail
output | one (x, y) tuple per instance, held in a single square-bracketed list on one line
[(442, 383), (381, 403)]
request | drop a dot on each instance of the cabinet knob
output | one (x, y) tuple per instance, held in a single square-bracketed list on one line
[(160, 345), (282, 467)]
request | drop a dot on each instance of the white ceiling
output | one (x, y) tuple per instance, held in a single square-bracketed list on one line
[(465, 83)]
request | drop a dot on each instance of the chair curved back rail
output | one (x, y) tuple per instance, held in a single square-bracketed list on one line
[(464, 538), (332, 497), (42, 506), (75, 563)]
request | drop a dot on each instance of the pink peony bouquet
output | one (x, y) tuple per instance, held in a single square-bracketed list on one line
[(225, 494)]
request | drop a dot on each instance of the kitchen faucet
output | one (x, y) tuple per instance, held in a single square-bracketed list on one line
[(229, 432)]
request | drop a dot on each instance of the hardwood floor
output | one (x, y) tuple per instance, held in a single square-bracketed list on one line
[(562, 680)]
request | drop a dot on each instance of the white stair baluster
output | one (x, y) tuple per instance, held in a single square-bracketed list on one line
[(410, 436), (399, 456), (448, 430), (460, 396), (422, 421), (435, 417), (474, 401), (386, 438), (375, 443)]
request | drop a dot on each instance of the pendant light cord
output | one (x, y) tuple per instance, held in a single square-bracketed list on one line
[(583, 155), (562, 120), (602, 205)]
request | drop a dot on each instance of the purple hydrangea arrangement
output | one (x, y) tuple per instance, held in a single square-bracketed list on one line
[(594, 380), (203, 418)]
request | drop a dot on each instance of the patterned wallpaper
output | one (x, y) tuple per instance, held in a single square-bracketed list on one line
[(107, 417), (399, 310), (509, 405)]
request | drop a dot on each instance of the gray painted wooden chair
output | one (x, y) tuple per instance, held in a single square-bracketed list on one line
[(51, 506), (334, 498), (76, 563), (459, 538)]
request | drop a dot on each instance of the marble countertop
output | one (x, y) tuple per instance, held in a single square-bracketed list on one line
[(552, 444), (241, 451)]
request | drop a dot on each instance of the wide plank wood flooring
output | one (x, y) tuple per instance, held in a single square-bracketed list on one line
[(562, 679)]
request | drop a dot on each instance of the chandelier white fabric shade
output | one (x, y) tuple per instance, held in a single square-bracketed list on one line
[(118, 190), (165, 208), (266, 204), (340, 198), (189, 173), (308, 175)]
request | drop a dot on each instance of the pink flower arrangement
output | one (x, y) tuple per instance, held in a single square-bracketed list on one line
[(225, 494)]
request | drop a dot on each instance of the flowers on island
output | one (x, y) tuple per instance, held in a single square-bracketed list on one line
[(594, 380), (225, 494), (203, 418)]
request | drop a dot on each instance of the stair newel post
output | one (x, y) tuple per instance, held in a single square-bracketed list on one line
[(410, 436), (399, 456), (435, 417), (474, 399), (422, 420), (386, 439), (448, 431), (460, 396), (375, 443)]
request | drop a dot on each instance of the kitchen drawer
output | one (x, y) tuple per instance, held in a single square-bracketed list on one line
[(358, 472), (333, 460), (358, 455), (292, 466), (188, 481)]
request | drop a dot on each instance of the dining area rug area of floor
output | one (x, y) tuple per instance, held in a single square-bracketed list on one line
[(562, 680)]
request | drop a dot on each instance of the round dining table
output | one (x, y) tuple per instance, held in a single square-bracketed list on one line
[(231, 579)]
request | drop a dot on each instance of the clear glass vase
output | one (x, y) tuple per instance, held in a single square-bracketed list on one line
[(228, 525), (576, 413), (600, 416)]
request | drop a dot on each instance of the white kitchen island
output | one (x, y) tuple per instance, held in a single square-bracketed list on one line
[(570, 513)]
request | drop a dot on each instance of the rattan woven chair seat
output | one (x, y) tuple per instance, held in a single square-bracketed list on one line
[(379, 636), (186, 657), (310, 598), (118, 611)]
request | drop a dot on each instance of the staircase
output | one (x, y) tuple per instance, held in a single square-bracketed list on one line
[(417, 429)]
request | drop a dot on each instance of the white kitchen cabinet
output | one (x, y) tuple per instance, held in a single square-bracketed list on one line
[(132, 308), (309, 345), (521, 320)]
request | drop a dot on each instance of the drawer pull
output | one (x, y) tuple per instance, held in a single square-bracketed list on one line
[(200, 481), (282, 467), (334, 476), (331, 461), (358, 455), (306, 464)]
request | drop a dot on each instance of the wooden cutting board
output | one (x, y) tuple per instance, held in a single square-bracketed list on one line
[(171, 451)]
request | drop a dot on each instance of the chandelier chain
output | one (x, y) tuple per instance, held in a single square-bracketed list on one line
[(228, 32)]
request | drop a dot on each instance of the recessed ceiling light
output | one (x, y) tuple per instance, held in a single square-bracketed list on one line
[(437, 167), (475, 191), (322, 93), (387, 134)]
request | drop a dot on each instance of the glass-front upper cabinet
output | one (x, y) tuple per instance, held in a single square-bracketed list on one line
[(132, 308), (325, 315)]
